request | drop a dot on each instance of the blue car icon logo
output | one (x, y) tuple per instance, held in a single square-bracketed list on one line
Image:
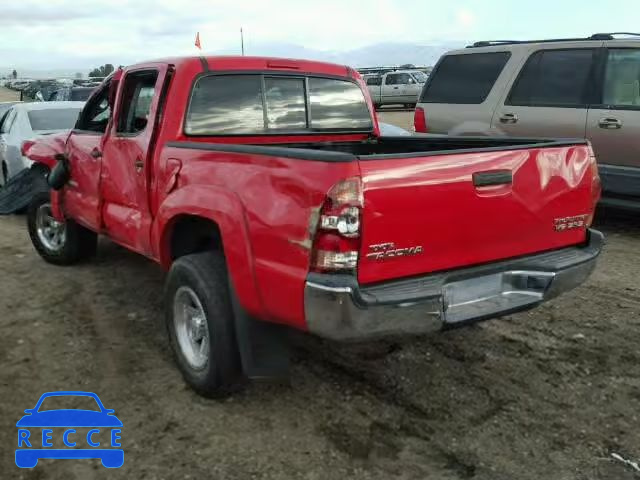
[(83, 433)]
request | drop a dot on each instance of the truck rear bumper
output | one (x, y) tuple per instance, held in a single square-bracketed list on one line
[(337, 307)]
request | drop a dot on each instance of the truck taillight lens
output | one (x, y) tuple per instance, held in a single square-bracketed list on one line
[(419, 120), (337, 239)]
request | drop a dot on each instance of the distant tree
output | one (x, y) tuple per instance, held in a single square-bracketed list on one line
[(78, 75), (14, 74), (102, 71)]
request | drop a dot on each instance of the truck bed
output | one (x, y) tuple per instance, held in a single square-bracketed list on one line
[(404, 147), (456, 201)]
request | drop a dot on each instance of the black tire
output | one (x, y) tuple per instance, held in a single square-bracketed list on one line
[(205, 274), (80, 243), (4, 173)]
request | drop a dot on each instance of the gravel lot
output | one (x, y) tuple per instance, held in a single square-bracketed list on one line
[(7, 95), (547, 394)]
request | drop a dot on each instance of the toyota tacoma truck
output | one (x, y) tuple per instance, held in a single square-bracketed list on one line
[(265, 189)]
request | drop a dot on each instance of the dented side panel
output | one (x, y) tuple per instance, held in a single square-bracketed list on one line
[(281, 200)]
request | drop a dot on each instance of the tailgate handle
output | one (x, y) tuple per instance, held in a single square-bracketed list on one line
[(494, 177)]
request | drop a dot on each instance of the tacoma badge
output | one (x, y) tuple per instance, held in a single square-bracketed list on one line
[(568, 223), (384, 251)]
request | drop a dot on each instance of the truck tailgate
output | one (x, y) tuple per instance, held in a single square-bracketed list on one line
[(425, 213)]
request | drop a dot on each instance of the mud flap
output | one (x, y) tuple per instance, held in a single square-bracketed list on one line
[(17, 193), (263, 346)]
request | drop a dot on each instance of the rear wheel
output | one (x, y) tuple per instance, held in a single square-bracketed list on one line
[(200, 324), (60, 243)]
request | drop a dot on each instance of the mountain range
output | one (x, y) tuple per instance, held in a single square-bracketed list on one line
[(369, 56)]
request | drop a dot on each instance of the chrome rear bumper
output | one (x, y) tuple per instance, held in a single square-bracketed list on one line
[(337, 307)]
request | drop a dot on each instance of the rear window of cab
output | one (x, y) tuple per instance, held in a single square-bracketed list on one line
[(257, 104)]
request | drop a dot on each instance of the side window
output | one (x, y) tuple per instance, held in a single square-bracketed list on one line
[(374, 81), (465, 78), (405, 79), (392, 79), (137, 95), (622, 78), (96, 113), (8, 120), (554, 78)]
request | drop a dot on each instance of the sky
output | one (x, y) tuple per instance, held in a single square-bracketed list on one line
[(50, 34)]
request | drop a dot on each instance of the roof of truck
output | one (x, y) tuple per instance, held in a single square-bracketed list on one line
[(215, 63)]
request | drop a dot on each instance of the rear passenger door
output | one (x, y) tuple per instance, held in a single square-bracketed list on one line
[(550, 96), (613, 123), (127, 159)]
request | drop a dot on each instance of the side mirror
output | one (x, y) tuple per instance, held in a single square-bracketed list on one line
[(139, 124), (60, 173)]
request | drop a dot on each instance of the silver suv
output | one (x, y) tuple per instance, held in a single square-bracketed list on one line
[(587, 88)]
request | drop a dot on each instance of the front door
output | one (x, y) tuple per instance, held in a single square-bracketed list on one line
[(613, 124), (394, 89), (127, 160), (81, 195)]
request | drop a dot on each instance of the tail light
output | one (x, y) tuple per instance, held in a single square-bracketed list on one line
[(419, 120), (337, 240), (596, 186), (26, 145)]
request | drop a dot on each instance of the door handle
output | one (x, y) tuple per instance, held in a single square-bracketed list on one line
[(95, 153), (395, 88), (510, 118), (492, 177), (139, 164), (610, 123)]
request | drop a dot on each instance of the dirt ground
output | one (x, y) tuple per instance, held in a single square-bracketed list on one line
[(7, 95), (547, 394)]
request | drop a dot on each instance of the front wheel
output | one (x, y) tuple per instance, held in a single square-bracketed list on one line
[(60, 243), (200, 323)]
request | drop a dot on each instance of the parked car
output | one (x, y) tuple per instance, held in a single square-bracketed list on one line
[(26, 122), (5, 106), (583, 88), (73, 94), (264, 187), (397, 87)]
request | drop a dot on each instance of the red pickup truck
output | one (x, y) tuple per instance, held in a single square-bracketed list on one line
[(265, 189)]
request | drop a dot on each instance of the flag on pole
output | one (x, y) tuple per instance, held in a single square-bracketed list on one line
[(198, 41)]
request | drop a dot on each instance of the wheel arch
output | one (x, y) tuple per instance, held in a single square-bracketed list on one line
[(193, 220)]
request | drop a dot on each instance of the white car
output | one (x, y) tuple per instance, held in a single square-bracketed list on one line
[(26, 121)]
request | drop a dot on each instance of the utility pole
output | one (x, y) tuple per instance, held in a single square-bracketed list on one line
[(242, 41)]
